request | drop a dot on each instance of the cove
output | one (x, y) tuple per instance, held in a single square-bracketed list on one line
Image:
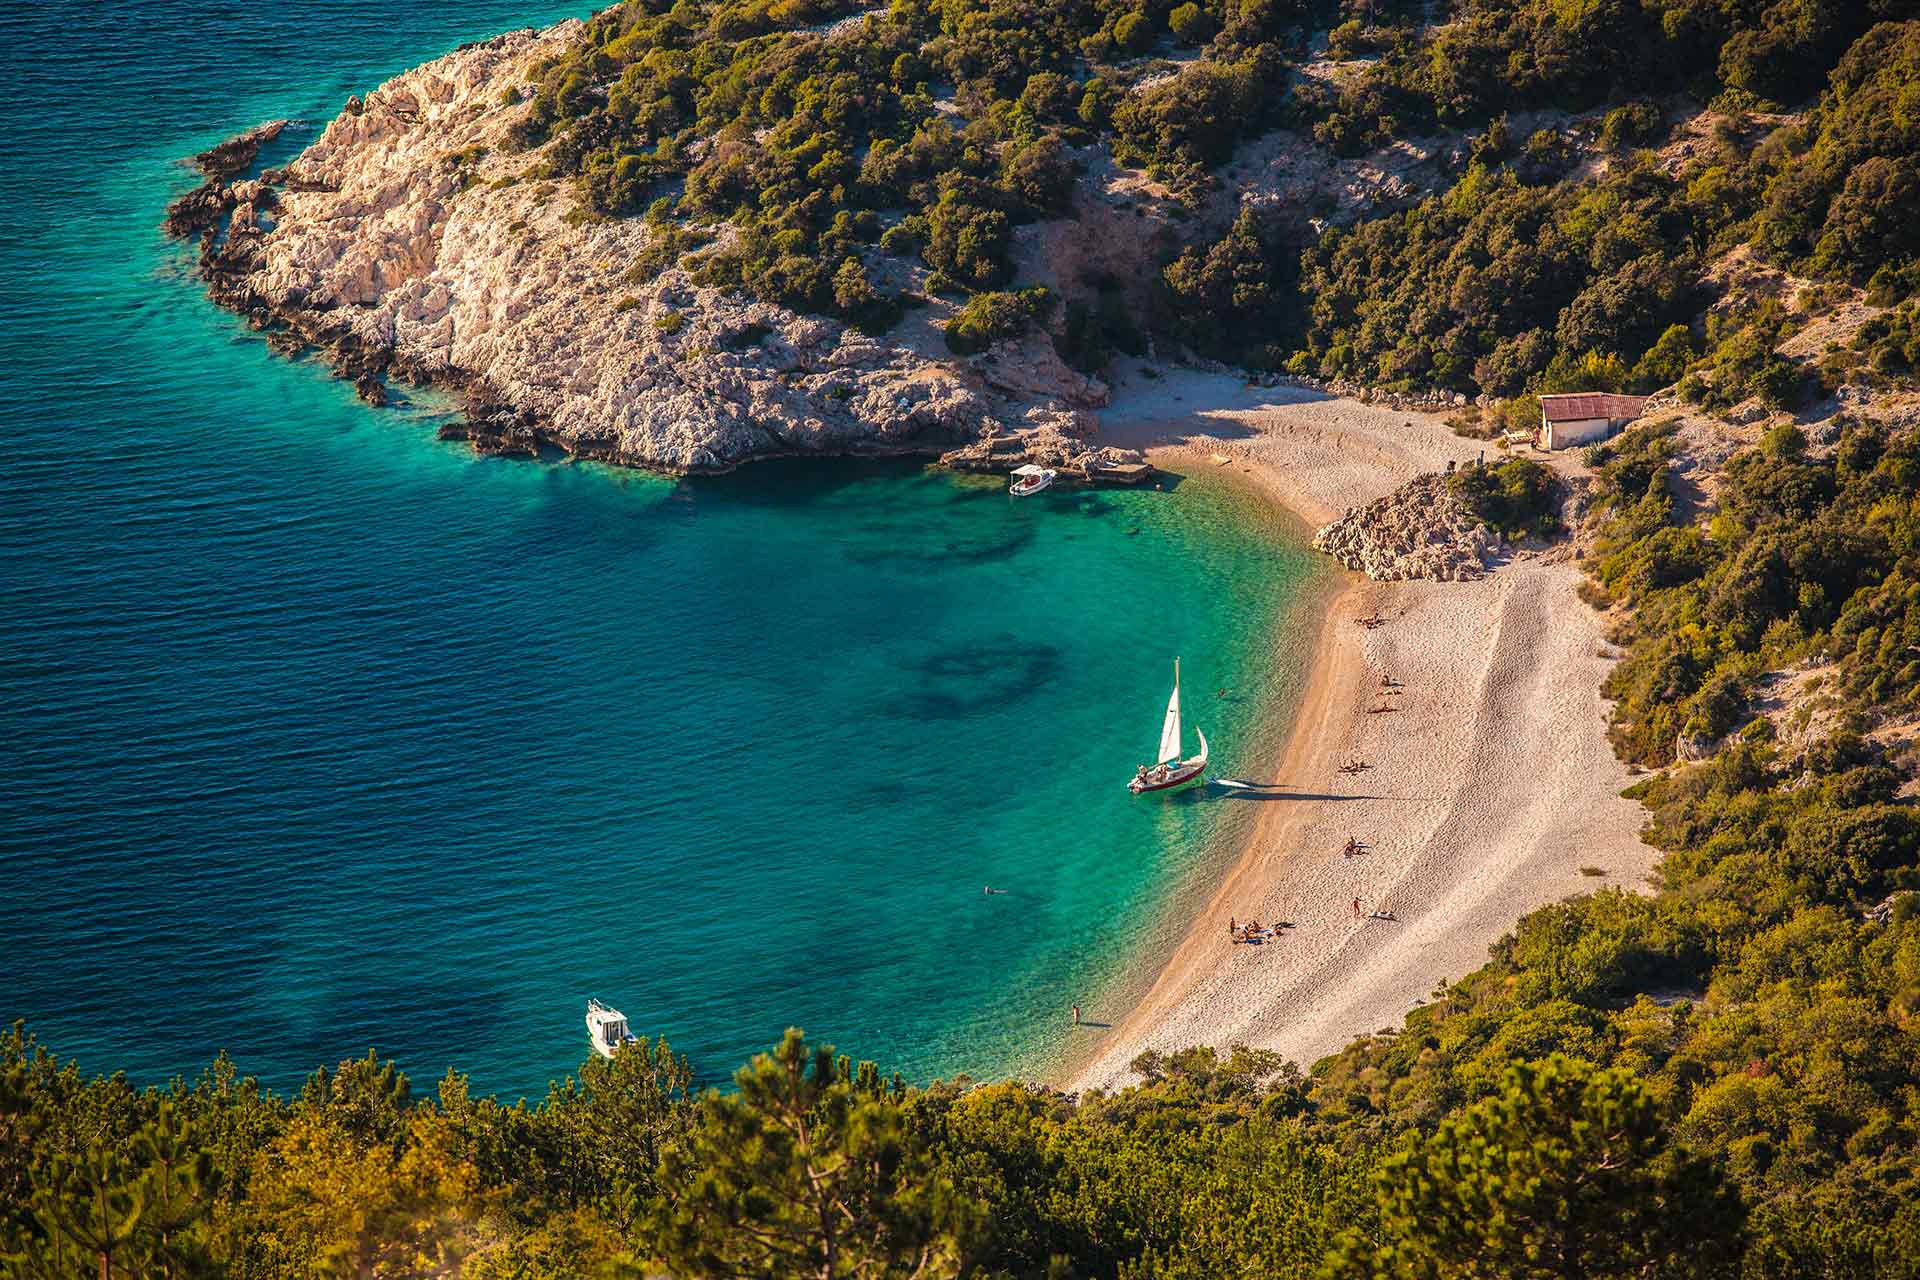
[(316, 734)]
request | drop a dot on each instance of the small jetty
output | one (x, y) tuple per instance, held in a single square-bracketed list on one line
[(1127, 473)]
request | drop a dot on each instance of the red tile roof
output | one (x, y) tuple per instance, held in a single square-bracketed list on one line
[(1590, 404)]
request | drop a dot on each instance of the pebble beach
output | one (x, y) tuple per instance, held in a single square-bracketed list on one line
[(1488, 782)]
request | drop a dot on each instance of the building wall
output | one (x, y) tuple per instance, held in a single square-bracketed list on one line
[(1564, 435)]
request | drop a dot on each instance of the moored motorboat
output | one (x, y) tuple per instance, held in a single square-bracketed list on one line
[(1170, 772), (1030, 479), (607, 1028)]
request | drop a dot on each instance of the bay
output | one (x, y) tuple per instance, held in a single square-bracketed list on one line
[(319, 735)]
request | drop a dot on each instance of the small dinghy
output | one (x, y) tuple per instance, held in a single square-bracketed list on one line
[(1029, 480), (607, 1028), (1171, 773)]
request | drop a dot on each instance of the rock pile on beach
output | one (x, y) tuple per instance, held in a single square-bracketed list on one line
[(1417, 531)]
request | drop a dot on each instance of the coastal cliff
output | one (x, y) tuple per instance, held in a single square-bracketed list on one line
[(413, 240)]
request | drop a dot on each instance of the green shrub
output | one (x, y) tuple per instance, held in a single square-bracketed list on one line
[(1133, 33), (1634, 123), (1666, 361), (967, 237), (1348, 41), (1191, 24), (994, 317), (1050, 96), (1517, 498), (899, 241)]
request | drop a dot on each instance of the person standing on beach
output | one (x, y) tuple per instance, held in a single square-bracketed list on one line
[(1076, 1015), (1356, 908)]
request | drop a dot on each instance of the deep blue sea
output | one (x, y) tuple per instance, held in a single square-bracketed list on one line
[(318, 735)]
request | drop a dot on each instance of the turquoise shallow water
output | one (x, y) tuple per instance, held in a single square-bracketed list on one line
[(316, 734)]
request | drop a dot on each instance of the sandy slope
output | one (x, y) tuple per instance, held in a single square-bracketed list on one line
[(1492, 783)]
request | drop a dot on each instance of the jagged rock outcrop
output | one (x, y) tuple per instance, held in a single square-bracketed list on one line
[(413, 240), (237, 154), (1882, 912), (1691, 747), (201, 209), (1029, 367), (1417, 531), (1047, 438)]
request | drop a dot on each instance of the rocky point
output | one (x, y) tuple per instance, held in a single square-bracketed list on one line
[(413, 241)]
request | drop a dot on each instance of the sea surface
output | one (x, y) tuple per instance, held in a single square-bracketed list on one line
[(319, 735)]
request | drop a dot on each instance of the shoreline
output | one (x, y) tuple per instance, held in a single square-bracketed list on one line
[(1328, 670), (564, 334), (1284, 692), (1492, 783)]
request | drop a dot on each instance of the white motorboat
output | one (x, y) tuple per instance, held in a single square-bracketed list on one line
[(1029, 479), (607, 1028), (1170, 772)]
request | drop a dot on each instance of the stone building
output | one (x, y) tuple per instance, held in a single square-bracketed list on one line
[(1584, 417)]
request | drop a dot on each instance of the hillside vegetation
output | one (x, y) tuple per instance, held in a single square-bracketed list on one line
[(1721, 1078), (795, 149)]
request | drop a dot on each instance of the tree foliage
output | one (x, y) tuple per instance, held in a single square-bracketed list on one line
[(809, 1169), (1567, 1171)]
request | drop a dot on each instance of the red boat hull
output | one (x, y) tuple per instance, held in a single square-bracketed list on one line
[(1171, 784)]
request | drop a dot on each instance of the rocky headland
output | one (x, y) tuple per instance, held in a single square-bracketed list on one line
[(413, 242)]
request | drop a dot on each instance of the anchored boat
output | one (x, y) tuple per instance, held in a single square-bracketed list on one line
[(1170, 772), (607, 1028), (1029, 479)]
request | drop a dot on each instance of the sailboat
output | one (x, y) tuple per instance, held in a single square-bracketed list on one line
[(1170, 772)]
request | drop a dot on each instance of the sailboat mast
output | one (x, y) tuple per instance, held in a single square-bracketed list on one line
[(1170, 727)]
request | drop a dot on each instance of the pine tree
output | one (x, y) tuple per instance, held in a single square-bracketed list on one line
[(124, 1210), (809, 1170), (1566, 1174)]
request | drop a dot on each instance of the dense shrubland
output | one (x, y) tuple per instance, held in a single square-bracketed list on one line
[(1508, 55), (810, 170), (1807, 557), (1528, 275), (1507, 286), (1531, 274), (808, 148), (814, 1166)]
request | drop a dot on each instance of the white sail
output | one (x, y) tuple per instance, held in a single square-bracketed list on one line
[(1170, 727)]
